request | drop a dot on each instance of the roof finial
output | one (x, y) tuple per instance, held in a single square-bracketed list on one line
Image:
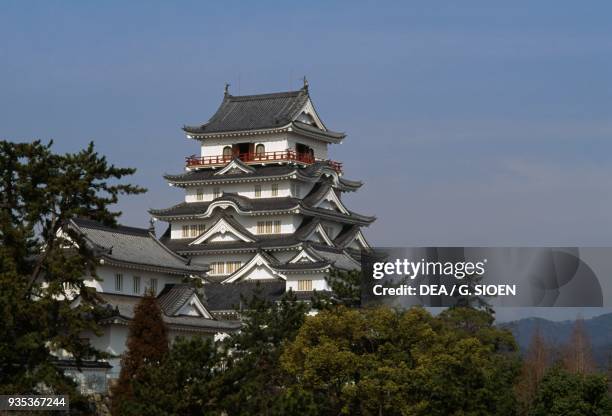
[(226, 89), (305, 83), (152, 225)]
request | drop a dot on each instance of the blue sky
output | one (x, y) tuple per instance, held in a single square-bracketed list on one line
[(470, 123)]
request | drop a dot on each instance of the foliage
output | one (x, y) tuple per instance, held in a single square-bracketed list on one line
[(562, 393), (345, 290), (240, 376), (182, 384), (147, 345), (253, 381), (39, 192), (379, 361)]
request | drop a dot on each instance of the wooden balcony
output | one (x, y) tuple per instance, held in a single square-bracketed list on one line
[(195, 162)]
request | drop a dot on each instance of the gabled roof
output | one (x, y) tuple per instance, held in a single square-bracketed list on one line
[(309, 173), (243, 204), (346, 236), (260, 260), (223, 223), (124, 312), (252, 112), (133, 248), (261, 112), (228, 297), (235, 166), (338, 258), (175, 298)]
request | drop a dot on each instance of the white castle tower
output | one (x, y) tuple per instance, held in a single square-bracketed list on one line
[(262, 201)]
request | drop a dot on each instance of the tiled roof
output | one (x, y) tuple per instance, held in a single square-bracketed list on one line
[(228, 296), (209, 174), (308, 173), (346, 236), (263, 111), (339, 259), (133, 246), (124, 305), (173, 297), (244, 203), (252, 112), (182, 246)]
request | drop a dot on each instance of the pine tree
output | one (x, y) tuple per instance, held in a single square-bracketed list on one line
[(147, 345), (345, 290), (253, 381), (40, 191)]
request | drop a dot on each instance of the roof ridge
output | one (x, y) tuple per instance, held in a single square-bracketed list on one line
[(264, 95), (119, 228)]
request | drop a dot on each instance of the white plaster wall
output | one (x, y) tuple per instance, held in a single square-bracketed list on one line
[(107, 284), (318, 281), (319, 147), (176, 227), (260, 273), (114, 338), (272, 142), (289, 222), (243, 189)]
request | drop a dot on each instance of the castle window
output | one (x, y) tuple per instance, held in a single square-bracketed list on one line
[(217, 268), (274, 189), (269, 227), (200, 194), (153, 286), (216, 192), (232, 266), (136, 281), (118, 282), (260, 150), (194, 230), (304, 285), (227, 152), (185, 231), (257, 191), (201, 228), (295, 189)]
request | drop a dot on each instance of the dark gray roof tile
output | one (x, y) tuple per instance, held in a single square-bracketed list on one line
[(133, 246), (244, 203), (125, 307), (228, 296), (252, 112)]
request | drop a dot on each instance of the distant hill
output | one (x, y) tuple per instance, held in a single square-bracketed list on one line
[(557, 334)]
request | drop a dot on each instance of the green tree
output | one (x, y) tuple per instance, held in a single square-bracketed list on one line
[(562, 393), (381, 361), (147, 345), (252, 381), (345, 290), (182, 384), (39, 192)]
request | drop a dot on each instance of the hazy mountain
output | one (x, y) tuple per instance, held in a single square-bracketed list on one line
[(557, 334)]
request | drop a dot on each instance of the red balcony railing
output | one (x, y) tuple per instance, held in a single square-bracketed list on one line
[(279, 156)]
